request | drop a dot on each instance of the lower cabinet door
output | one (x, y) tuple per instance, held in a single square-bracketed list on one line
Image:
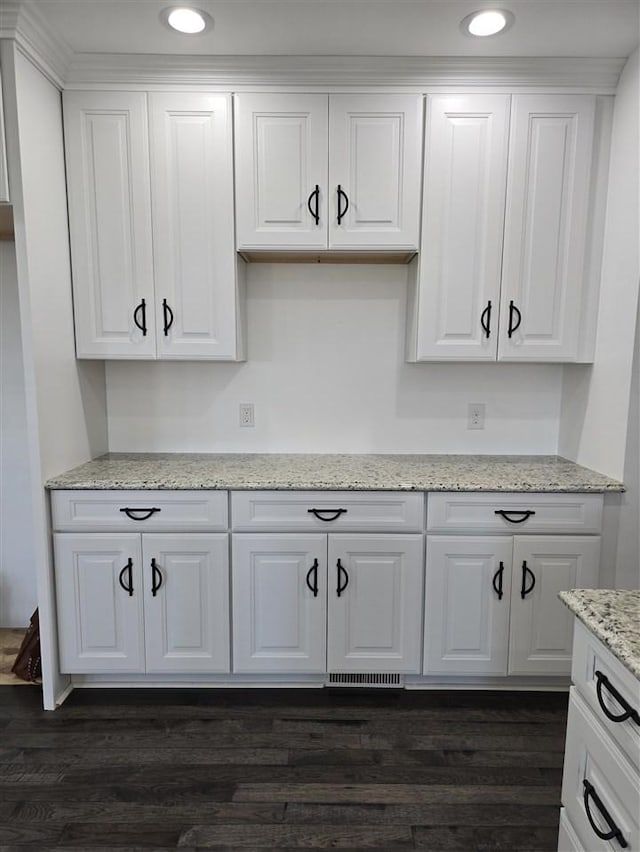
[(467, 595), (375, 603), (186, 602), (279, 603), (541, 626), (99, 602)]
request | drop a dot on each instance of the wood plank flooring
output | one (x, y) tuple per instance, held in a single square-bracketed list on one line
[(258, 770)]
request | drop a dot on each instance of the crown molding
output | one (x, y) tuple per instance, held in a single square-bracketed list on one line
[(94, 70), (23, 23)]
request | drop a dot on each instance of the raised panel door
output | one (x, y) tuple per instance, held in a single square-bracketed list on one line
[(541, 633), (281, 170), (467, 594), (547, 207), (192, 205), (186, 592), (279, 593), (110, 223), (458, 296), (374, 157), (99, 602), (375, 603)]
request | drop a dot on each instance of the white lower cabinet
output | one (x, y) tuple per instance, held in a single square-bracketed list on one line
[(142, 603), (315, 603), (491, 604)]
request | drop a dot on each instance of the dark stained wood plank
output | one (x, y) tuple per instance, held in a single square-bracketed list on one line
[(319, 836), (526, 838), (98, 758), (393, 793), (197, 811)]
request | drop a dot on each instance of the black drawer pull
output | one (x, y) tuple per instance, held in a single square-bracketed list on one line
[(313, 571), (129, 512), (614, 831), (142, 309), (497, 581), (335, 513), (156, 578), (514, 313), (524, 591), (342, 212), (128, 569), (485, 320), (629, 712), (314, 212), (341, 571), (522, 515), (167, 317)]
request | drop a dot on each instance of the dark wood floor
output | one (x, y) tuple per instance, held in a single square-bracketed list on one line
[(293, 769)]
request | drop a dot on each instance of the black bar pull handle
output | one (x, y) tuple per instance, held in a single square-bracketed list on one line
[(313, 572), (128, 570), (513, 312), (315, 211), (142, 309), (342, 572), (629, 712), (167, 317), (614, 831), (342, 212), (515, 516), (485, 320), (497, 581), (524, 590), (134, 513), (334, 513), (156, 578)]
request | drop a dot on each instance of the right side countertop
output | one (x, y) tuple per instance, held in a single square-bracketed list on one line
[(613, 615)]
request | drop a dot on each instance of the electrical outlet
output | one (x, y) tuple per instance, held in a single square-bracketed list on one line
[(247, 414), (475, 418)]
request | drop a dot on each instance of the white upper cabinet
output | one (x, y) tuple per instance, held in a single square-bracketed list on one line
[(192, 214), (321, 172), (110, 223), (462, 216), (507, 260), (281, 170), (150, 191), (545, 230)]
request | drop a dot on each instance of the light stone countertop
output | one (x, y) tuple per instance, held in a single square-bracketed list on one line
[(613, 615), (276, 471)]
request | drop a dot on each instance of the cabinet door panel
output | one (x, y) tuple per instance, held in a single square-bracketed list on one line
[(545, 225), (279, 625), (374, 155), (100, 625), (110, 223), (187, 619), (466, 620), (374, 625), (281, 156), (462, 223), (541, 626), (192, 175)]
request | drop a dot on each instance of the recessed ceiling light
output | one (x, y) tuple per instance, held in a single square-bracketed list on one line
[(185, 19), (487, 22)]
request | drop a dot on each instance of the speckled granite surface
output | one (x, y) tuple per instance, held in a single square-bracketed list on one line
[(334, 472), (613, 615)]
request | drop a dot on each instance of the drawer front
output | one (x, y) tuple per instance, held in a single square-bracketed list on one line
[(327, 511), (144, 511), (609, 803), (530, 513), (608, 688)]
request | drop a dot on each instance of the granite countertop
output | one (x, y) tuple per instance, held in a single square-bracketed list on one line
[(333, 472), (613, 615)]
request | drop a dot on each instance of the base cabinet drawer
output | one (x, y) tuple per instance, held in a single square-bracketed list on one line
[(600, 790)]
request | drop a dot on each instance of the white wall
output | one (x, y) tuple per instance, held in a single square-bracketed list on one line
[(17, 555), (595, 400), (326, 373), (65, 400)]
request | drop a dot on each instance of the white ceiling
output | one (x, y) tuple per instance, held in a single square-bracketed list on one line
[(587, 28)]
